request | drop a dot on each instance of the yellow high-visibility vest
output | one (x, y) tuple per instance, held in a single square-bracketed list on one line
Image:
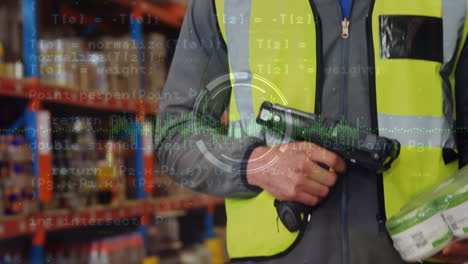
[(413, 97)]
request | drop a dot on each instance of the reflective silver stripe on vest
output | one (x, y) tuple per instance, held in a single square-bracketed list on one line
[(453, 21), (237, 25), (237, 34), (423, 131)]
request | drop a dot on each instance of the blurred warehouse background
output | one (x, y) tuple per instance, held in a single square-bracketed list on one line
[(80, 82)]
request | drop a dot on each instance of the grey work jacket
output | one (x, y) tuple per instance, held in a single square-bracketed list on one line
[(344, 229)]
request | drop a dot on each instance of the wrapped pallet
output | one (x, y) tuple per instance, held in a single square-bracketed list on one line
[(123, 70), (121, 55), (59, 61), (93, 74), (155, 65)]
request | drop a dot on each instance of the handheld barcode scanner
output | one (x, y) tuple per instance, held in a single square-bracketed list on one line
[(354, 145)]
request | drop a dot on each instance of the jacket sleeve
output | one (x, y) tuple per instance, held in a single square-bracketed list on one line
[(461, 96), (192, 145)]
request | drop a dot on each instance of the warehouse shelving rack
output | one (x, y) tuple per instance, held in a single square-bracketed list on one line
[(48, 93), (63, 219), (36, 92)]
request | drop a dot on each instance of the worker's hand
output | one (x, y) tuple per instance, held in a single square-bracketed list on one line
[(294, 174), (455, 253)]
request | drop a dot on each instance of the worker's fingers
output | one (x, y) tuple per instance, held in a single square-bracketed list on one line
[(225, 118), (450, 258), (454, 253), (325, 157), (460, 248), (307, 199), (319, 174), (313, 188)]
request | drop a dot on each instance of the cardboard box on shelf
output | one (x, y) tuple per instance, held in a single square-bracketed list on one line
[(155, 65), (59, 61), (93, 75), (10, 26), (111, 65), (121, 56)]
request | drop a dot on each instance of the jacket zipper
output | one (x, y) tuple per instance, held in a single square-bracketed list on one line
[(381, 215), (344, 95), (345, 28)]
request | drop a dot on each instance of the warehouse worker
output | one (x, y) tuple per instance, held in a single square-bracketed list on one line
[(397, 68)]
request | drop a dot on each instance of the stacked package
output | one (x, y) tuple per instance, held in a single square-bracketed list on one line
[(59, 61), (66, 63), (122, 65), (93, 72), (111, 65), (155, 65), (16, 176), (87, 169), (433, 220)]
